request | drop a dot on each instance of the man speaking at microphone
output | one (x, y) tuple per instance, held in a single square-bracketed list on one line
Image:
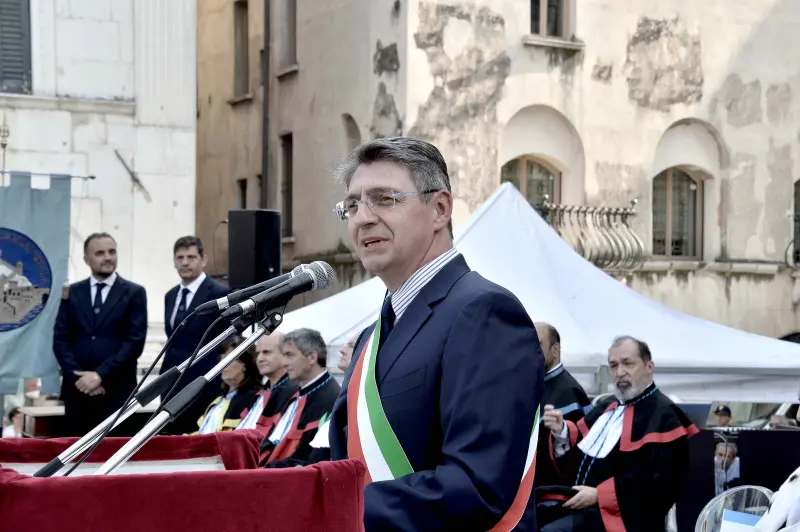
[(441, 399)]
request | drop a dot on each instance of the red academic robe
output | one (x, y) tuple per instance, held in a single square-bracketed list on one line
[(644, 475), (294, 449), (276, 398)]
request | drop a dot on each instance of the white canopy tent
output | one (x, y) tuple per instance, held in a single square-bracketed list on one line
[(507, 242)]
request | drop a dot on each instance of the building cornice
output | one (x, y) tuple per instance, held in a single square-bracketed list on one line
[(71, 105)]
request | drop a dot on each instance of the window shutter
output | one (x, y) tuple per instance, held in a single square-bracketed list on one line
[(15, 46)]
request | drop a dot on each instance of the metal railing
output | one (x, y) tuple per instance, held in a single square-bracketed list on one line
[(602, 235)]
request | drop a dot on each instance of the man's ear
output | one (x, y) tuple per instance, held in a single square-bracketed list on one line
[(443, 206)]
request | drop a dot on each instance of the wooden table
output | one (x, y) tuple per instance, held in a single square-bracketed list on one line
[(49, 421)]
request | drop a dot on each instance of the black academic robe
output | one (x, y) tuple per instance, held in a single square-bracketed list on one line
[(643, 476), (276, 399), (314, 401), (567, 396), (243, 398)]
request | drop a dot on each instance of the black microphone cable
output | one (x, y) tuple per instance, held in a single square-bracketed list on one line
[(200, 345)]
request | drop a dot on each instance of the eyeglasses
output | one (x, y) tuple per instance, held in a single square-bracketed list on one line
[(377, 202)]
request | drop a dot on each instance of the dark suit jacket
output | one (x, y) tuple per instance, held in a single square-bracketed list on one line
[(460, 378), (109, 345), (185, 343)]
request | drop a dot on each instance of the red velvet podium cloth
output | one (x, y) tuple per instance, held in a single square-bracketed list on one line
[(238, 449), (326, 496)]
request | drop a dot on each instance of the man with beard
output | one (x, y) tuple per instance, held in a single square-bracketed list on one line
[(629, 454), (99, 336), (563, 393)]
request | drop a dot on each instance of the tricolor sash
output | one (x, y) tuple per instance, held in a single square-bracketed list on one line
[(372, 441)]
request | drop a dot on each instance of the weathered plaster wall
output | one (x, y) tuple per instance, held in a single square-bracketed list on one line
[(650, 85), (703, 85), (764, 303), (465, 64)]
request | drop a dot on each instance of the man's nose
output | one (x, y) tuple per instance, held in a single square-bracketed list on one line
[(364, 215)]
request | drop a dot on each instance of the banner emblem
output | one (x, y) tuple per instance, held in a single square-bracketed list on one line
[(26, 280)]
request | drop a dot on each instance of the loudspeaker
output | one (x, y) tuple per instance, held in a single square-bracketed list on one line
[(254, 247)]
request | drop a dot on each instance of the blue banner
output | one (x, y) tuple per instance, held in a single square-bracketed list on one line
[(34, 255)]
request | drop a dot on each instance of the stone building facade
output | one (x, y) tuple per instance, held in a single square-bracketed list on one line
[(690, 108), (107, 89)]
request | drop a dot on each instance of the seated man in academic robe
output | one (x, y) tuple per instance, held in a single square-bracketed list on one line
[(278, 391), (629, 455), (289, 443), (565, 394)]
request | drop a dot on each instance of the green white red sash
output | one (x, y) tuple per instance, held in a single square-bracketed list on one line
[(372, 441)]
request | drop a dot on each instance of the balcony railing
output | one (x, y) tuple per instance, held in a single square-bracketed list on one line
[(602, 235)]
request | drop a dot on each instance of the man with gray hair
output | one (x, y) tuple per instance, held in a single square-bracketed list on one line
[(629, 455), (278, 390), (443, 390), (305, 356)]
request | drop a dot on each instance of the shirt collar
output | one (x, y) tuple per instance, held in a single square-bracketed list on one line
[(194, 285), (310, 384), (404, 295), (109, 281), (555, 368)]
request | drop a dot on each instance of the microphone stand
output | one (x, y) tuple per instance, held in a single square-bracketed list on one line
[(185, 397), (145, 396)]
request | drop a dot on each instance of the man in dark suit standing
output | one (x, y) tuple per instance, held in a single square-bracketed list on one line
[(194, 289), (441, 399), (99, 334)]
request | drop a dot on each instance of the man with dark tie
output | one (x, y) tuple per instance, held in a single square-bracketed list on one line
[(99, 335), (442, 395), (194, 289)]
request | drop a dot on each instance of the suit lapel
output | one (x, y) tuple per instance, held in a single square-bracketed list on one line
[(201, 295), (117, 289), (172, 296), (417, 314), (83, 298), (406, 328)]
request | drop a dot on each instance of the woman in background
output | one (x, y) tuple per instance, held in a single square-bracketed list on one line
[(240, 384), (14, 428)]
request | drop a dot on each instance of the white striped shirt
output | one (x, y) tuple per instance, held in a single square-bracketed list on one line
[(412, 287)]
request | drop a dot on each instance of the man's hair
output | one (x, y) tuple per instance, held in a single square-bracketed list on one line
[(251, 375), (728, 447), (552, 334), (14, 411), (95, 236), (423, 160), (187, 242), (642, 347), (308, 341)]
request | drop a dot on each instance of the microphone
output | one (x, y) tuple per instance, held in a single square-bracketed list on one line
[(240, 295), (315, 276)]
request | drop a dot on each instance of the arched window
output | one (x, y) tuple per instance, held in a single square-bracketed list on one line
[(351, 131), (677, 214), (533, 178)]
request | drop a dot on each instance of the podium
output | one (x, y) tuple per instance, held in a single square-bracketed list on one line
[(199, 483)]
